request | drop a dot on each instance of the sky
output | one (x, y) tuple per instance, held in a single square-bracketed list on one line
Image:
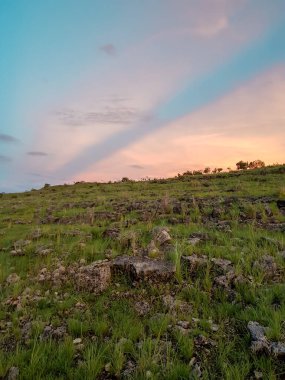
[(94, 90)]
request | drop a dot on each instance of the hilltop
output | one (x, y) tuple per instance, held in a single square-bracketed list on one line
[(162, 279)]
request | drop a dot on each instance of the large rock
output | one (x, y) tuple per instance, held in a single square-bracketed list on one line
[(94, 278), (143, 268)]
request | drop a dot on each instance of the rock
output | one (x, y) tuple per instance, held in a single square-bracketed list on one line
[(202, 341), (95, 277), (142, 308), (194, 262), (176, 306), (201, 235), (268, 211), (258, 375), (161, 236), (43, 251), (183, 327), (13, 373), (259, 341), (257, 331), (54, 333), (267, 264), (222, 264), (13, 278), (112, 233), (77, 341), (139, 268), (278, 349), (17, 252), (21, 243), (197, 372), (194, 240)]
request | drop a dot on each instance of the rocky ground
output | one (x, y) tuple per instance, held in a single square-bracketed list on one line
[(166, 279)]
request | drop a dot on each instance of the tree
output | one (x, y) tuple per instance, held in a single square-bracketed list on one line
[(256, 164), (220, 170), (125, 179), (207, 170), (242, 165)]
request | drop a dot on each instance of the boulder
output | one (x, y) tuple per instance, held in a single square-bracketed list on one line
[(143, 268)]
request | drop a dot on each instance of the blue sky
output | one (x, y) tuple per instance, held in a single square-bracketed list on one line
[(97, 90)]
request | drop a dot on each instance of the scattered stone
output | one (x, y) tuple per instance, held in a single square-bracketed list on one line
[(17, 252), (161, 235), (112, 233), (43, 251), (13, 373), (222, 264), (202, 341), (194, 240), (95, 277), (197, 372), (278, 349), (77, 341), (142, 308), (268, 211), (258, 375), (13, 278), (57, 333), (194, 262), (268, 265), (257, 331)]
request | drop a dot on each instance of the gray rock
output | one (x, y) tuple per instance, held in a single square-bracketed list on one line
[(95, 277), (257, 331), (13, 373), (278, 349), (143, 268), (194, 262), (161, 235)]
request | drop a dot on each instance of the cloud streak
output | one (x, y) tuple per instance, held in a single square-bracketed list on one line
[(7, 138), (4, 159), (108, 115), (37, 153), (260, 55)]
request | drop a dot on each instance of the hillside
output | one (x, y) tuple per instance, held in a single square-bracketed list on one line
[(179, 278)]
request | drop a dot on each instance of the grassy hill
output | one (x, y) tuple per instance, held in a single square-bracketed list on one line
[(222, 236)]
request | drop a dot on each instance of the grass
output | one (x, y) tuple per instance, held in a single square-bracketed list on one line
[(116, 340)]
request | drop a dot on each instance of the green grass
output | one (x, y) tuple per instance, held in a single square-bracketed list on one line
[(117, 341)]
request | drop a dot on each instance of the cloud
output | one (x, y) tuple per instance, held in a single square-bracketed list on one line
[(7, 138), (37, 153), (135, 166), (109, 49), (212, 29), (4, 159), (107, 115)]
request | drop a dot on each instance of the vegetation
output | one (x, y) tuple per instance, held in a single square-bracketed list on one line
[(189, 328)]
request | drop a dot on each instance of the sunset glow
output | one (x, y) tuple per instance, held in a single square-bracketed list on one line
[(98, 90)]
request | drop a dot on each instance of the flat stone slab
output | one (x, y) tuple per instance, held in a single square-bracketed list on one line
[(140, 268)]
